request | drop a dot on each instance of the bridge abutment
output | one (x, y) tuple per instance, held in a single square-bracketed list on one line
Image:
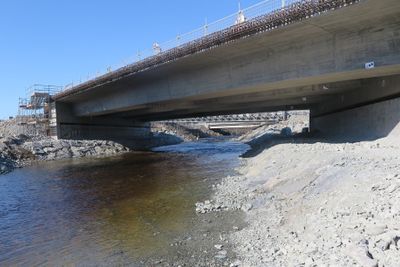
[(364, 123), (367, 113), (65, 125)]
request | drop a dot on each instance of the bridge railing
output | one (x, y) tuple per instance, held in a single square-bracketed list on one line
[(259, 9), (43, 89)]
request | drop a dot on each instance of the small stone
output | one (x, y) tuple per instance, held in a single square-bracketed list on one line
[(388, 239), (247, 207), (236, 263), (393, 188), (309, 262), (362, 256), (223, 252), (218, 246), (220, 257), (376, 229)]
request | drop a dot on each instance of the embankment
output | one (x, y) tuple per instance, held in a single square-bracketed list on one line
[(315, 202), (21, 150), (185, 133), (312, 201), (22, 144)]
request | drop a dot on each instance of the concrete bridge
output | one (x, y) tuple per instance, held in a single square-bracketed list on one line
[(236, 121), (338, 58)]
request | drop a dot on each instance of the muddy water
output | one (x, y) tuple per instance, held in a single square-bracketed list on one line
[(136, 209)]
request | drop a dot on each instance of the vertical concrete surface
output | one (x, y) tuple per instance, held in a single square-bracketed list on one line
[(133, 134), (368, 122)]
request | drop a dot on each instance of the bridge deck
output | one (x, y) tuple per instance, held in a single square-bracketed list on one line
[(293, 13)]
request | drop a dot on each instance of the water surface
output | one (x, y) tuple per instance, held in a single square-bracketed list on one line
[(125, 210)]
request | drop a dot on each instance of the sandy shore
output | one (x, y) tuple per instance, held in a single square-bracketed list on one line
[(312, 202)]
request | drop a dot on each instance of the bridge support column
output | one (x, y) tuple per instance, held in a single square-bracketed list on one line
[(367, 113), (364, 123), (133, 134)]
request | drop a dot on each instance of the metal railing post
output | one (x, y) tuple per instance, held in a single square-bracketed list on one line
[(205, 27)]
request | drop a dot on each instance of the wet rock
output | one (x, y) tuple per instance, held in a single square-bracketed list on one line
[(287, 131), (6, 165), (208, 206)]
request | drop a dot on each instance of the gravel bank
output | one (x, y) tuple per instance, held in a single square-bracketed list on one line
[(295, 124), (316, 203), (20, 144), (185, 133)]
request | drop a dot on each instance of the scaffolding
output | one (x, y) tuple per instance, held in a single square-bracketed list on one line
[(35, 107)]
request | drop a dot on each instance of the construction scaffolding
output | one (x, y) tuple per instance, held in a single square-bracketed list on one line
[(35, 107)]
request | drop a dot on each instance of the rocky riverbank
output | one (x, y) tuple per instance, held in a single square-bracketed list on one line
[(20, 144), (15, 127), (17, 151), (312, 202), (185, 133)]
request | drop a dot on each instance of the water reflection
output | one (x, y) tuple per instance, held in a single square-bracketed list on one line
[(107, 211)]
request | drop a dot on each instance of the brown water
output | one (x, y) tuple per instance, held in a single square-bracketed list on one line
[(126, 210)]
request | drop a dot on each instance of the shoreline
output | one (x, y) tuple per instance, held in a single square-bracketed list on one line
[(19, 151), (306, 201), (314, 202), (22, 145), (203, 240)]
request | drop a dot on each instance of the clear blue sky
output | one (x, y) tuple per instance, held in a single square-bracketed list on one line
[(58, 41)]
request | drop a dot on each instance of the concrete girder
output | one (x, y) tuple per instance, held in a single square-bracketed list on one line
[(324, 49)]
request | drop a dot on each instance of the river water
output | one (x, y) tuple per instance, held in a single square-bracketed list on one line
[(136, 209)]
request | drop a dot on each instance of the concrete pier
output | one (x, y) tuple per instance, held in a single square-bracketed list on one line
[(371, 112), (133, 134), (368, 122)]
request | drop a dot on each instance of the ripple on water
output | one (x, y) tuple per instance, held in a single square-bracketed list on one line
[(117, 210)]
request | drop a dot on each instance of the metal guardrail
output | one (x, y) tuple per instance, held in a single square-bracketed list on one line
[(255, 117), (263, 16), (264, 7)]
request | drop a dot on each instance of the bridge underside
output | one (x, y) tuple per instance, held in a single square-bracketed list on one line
[(316, 64)]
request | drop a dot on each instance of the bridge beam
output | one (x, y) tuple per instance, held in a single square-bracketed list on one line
[(319, 63), (329, 48)]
